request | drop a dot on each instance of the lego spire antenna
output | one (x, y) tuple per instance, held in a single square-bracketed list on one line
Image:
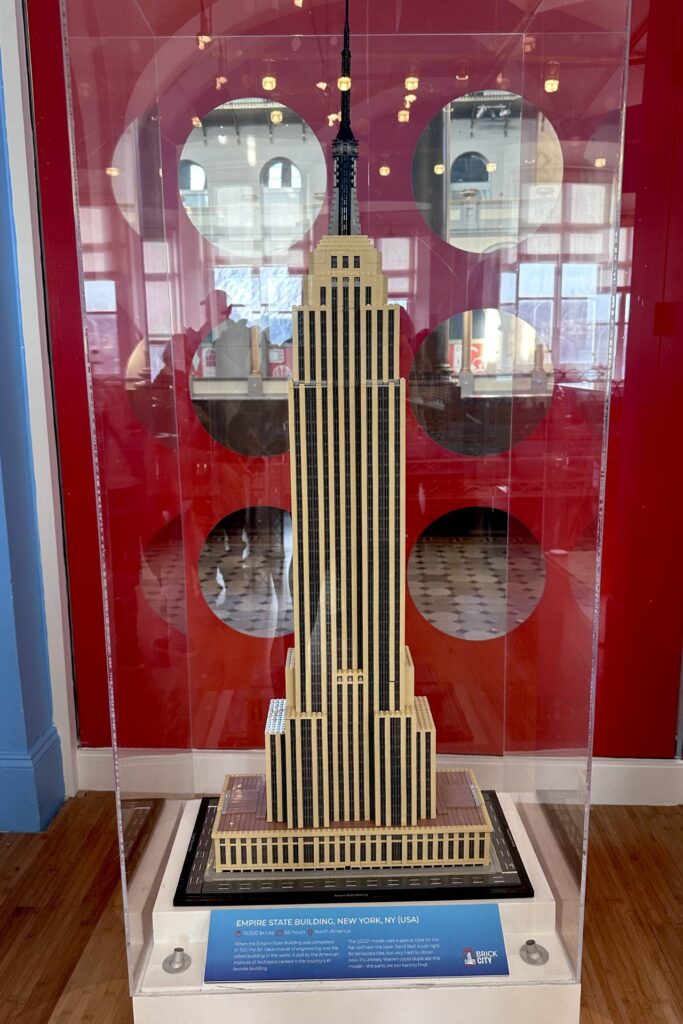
[(345, 124), (344, 213)]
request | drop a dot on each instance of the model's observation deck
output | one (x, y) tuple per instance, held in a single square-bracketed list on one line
[(351, 751)]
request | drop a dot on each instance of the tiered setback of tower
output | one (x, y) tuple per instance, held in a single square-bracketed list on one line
[(350, 751), (297, 749)]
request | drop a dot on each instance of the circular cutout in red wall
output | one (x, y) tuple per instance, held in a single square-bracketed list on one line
[(476, 573), (244, 571)]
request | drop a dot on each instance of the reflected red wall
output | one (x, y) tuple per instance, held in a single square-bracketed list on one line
[(640, 633)]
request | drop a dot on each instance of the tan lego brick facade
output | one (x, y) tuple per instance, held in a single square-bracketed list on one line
[(351, 776)]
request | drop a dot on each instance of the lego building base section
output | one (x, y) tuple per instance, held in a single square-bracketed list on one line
[(528, 993), (246, 840), (501, 875)]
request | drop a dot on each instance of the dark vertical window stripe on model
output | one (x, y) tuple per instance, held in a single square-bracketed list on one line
[(273, 775), (320, 774), (381, 369), (340, 748), (300, 525), (283, 765), (300, 343), (292, 745), (370, 667), (398, 554), (392, 342), (395, 770), (382, 772), (360, 399), (418, 763), (349, 555), (351, 774), (335, 329), (323, 345), (311, 344), (346, 339), (314, 564), (330, 669), (361, 753), (409, 776), (337, 518), (356, 331), (324, 486), (345, 427), (358, 553), (306, 773), (384, 527)]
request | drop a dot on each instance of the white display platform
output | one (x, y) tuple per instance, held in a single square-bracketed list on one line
[(528, 995)]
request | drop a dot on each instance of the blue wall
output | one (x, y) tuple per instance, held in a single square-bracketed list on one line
[(31, 779)]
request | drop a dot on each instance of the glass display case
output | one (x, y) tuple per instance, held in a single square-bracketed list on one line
[(348, 301)]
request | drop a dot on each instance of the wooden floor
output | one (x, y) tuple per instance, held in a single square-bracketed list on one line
[(61, 932)]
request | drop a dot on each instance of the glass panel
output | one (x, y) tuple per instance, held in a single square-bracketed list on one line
[(441, 534)]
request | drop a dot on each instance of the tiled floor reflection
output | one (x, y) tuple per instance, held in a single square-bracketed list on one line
[(244, 572), (469, 588), (162, 576), (475, 586)]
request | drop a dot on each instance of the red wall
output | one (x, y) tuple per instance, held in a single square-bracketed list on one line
[(641, 627), (642, 590), (69, 371)]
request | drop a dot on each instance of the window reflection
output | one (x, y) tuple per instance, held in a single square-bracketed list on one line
[(239, 373), (563, 280), (469, 168), (101, 322), (281, 173), (567, 302), (466, 375), (191, 181), (497, 192), (399, 264), (252, 185)]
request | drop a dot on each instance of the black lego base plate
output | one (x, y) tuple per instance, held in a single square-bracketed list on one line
[(201, 886)]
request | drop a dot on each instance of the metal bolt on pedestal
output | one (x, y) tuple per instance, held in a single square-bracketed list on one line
[(177, 962), (534, 954)]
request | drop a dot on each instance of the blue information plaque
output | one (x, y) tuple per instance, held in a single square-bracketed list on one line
[(308, 943)]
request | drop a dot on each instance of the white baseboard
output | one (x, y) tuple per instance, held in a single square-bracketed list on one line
[(637, 781), (183, 773)]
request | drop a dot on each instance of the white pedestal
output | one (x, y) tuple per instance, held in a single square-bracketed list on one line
[(529, 995)]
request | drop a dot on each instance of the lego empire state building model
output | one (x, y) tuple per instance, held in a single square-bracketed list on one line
[(351, 779)]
